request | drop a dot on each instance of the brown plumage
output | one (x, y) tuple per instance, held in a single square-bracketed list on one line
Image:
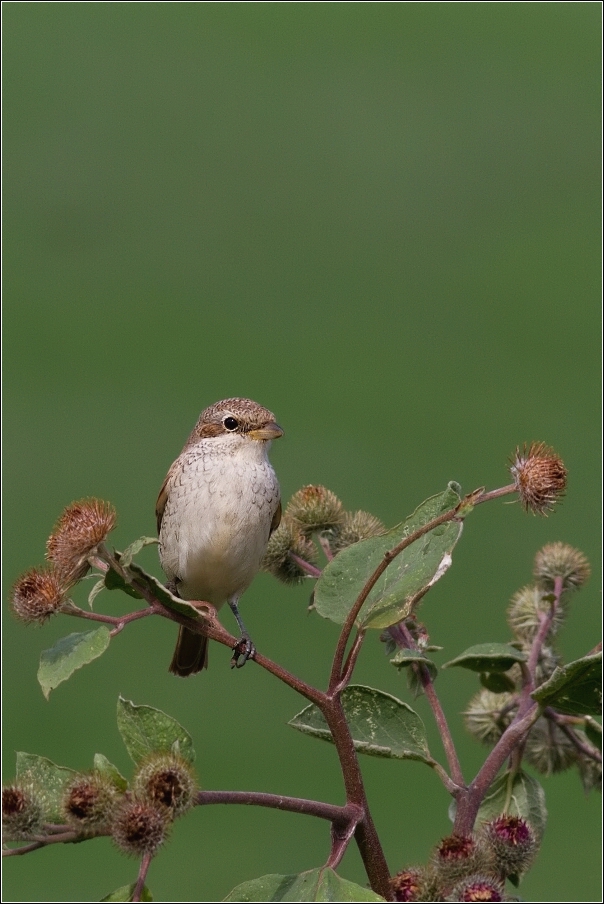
[(215, 512)]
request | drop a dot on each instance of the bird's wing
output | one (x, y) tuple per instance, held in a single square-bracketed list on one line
[(276, 519), (160, 505)]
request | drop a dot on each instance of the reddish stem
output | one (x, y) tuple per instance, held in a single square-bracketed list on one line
[(142, 875), (403, 637), (308, 567), (340, 815)]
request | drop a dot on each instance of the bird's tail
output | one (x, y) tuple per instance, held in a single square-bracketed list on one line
[(190, 654)]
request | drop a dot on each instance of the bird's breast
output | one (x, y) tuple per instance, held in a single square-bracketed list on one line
[(216, 522)]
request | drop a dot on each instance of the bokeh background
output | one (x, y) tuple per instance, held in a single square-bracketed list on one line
[(382, 222)]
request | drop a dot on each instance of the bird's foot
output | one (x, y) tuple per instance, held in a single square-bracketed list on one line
[(244, 649)]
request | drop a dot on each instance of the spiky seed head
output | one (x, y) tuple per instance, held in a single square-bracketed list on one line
[(590, 772), (37, 594), (416, 884), (563, 561), (478, 887), (489, 714), (539, 476), (512, 842), (166, 780), (90, 801), (457, 856), (315, 508), (407, 885), (548, 749), (353, 527), (547, 661), (22, 812), (526, 610), (277, 560), (140, 827), (81, 527)]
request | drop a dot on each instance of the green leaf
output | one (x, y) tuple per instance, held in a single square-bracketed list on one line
[(314, 885), (100, 585), (516, 794), (380, 725), (488, 657), (48, 778), (126, 893), (114, 581), (404, 658), (408, 576), (593, 730), (102, 765), (146, 730), (574, 689), (69, 654), (163, 594), (134, 548), (128, 554)]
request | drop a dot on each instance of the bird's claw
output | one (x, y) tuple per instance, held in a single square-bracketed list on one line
[(245, 649)]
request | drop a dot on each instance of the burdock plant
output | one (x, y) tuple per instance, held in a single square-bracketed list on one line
[(530, 706)]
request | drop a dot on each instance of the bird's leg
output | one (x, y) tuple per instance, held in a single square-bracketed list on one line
[(244, 646)]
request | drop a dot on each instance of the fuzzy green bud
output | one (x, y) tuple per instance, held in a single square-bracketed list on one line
[(407, 885), (512, 842), (22, 812), (90, 801), (590, 772), (547, 660), (459, 855), (488, 715), (548, 748), (288, 538), (166, 780), (559, 560), (478, 887), (526, 610), (315, 508), (140, 827), (353, 527)]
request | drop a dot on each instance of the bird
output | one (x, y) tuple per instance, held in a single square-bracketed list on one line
[(215, 512)]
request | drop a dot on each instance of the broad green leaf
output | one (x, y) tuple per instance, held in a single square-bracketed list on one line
[(574, 689), (48, 778), (114, 581), (69, 654), (408, 576), (314, 885), (380, 725), (488, 657), (404, 658), (102, 765), (163, 594), (593, 730), (128, 554), (516, 794), (146, 730), (126, 892)]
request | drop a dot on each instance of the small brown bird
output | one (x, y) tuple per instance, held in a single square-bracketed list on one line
[(217, 507)]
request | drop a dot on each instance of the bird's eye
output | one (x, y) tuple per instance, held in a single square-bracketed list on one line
[(230, 423)]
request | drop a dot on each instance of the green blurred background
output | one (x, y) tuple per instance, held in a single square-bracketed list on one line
[(380, 220)]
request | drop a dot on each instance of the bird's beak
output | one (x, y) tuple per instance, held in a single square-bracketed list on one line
[(268, 432)]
